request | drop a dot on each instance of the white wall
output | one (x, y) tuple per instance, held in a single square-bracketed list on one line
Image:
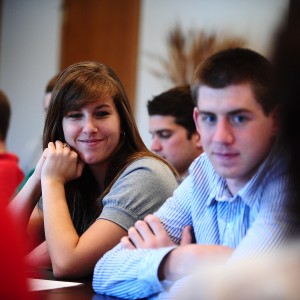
[(29, 58), (30, 49)]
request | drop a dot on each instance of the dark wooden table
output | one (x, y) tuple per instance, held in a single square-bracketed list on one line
[(82, 292)]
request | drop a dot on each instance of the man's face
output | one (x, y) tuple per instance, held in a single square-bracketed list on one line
[(170, 141), (235, 132), (47, 99)]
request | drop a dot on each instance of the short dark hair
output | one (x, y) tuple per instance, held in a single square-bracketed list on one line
[(176, 102), (236, 66), (50, 84), (4, 115)]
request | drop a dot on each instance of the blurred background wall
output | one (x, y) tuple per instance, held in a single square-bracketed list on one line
[(35, 45)]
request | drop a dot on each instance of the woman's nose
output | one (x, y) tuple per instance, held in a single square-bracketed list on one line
[(89, 126)]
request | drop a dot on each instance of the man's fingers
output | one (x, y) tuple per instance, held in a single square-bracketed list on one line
[(149, 233), (144, 229), (186, 237), (126, 243), (135, 237), (155, 225)]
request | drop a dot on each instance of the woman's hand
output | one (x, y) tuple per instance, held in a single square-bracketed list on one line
[(38, 168), (61, 163)]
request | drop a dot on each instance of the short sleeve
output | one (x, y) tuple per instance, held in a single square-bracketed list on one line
[(140, 190)]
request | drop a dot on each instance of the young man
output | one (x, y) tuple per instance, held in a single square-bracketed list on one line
[(232, 203), (173, 130), (11, 174)]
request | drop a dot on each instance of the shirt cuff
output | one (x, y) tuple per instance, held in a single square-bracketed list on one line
[(151, 266)]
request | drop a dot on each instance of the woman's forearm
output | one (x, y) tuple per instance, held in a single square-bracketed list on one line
[(60, 233), (22, 205)]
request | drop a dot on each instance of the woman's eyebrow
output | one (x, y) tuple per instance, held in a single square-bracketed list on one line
[(103, 105)]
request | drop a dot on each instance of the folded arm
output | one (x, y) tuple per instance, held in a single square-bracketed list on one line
[(138, 267)]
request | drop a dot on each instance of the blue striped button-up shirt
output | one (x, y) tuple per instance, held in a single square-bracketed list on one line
[(252, 221)]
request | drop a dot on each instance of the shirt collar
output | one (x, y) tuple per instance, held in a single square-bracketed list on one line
[(252, 189)]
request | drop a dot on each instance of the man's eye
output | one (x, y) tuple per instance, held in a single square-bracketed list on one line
[(237, 119), (208, 118), (165, 136), (161, 135)]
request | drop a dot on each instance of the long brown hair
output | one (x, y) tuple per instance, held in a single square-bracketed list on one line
[(77, 85)]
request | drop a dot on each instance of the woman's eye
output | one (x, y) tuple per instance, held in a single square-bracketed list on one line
[(74, 115), (102, 113)]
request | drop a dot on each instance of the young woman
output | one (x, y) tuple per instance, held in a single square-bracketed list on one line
[(96, 177)]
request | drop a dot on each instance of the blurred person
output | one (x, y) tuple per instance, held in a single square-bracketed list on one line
[(48, 92), (13, 278), (286, 58), (11, 174), (233, 202), (269, 276), (173, 130), (35, 154), (34, 149), (96, 177)]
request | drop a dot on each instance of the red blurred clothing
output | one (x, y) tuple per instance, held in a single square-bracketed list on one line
[(13, 275), (11, 176)]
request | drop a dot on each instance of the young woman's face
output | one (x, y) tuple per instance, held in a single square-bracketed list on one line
[(93, 131)]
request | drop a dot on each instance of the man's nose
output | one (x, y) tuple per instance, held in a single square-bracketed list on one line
[(156, 144), (223, 132)]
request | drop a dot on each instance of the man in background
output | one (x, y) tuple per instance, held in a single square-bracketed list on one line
[(11, 174), (173, 130), (36, 153)]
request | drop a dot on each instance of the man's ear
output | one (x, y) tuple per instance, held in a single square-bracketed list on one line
[(275, 115), (198, 140), (195, 116)]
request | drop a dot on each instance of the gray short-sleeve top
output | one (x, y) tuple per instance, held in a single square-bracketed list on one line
[(141, 189)]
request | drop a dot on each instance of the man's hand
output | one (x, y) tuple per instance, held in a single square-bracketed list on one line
[(150, 233), (183, 260)]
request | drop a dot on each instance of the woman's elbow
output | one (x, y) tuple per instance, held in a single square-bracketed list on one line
[(70, 270)]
